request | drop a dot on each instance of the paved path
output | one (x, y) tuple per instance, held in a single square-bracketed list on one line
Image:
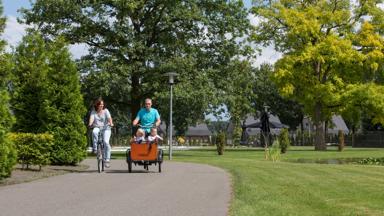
[(182, 189)]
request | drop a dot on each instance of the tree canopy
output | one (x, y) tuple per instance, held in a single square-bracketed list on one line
[(289, 112), (134, 42), (331, 53)]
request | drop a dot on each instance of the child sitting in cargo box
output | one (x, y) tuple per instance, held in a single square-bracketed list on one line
[(139, 137), (153, 137)]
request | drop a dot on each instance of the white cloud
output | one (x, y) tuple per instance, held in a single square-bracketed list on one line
[(268, 55), (13, 32), (253, 19), (78, 50)]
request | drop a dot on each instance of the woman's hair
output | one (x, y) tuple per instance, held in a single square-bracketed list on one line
[(98, 102)]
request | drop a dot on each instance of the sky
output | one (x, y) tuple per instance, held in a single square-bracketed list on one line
[(14, 31)]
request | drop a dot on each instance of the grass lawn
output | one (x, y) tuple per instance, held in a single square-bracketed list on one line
[(285, 188)]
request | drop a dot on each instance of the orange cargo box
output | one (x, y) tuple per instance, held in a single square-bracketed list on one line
[(143, 151)]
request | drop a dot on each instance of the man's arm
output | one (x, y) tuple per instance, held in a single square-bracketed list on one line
[(137, 119), (135, 122), (158, 121)]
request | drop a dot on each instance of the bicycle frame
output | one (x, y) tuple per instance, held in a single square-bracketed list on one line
[(100, 152), (100, 148)]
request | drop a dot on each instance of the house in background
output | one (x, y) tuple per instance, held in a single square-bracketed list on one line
[(199, 132), (337, 123), (252, 120), (251, 129)]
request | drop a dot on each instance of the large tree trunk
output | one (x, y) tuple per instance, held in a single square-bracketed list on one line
[(326, 137), (136, 97), (319, 128), (353, 136)]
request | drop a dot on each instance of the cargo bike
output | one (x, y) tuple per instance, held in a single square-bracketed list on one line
[(144, 154)]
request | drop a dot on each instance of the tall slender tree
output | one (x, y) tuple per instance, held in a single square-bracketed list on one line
[(47, 98), (7, 151)]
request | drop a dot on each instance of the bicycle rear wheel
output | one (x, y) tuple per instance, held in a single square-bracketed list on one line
[(102, 164)]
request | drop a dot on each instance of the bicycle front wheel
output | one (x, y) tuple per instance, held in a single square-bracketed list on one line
[(100, 163)]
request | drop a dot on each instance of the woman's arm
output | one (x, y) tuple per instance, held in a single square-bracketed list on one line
[(109, 117), (110, 122), (91, 119)]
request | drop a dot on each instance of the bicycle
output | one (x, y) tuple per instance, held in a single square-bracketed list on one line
[(100, 148), (145, 153)]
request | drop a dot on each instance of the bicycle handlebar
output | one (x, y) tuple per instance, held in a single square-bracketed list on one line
[(108, 126), (142, 126)]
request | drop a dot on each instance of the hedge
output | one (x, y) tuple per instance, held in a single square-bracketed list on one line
[(7, 156), (33, 149)]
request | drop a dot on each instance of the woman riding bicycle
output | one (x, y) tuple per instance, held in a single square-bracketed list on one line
[(100, 119), (148, 117)]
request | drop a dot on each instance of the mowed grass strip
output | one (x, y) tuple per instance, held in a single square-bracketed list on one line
[(285, 188)]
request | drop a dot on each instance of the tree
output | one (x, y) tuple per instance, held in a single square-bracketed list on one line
[(267, 93), (141, 40), (331, 52), (47, 98), (237, 94), (30, 72), (7, 150)]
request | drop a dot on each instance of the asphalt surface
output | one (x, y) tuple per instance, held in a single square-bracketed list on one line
[(181, 189)]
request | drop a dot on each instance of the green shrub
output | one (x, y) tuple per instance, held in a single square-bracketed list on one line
[(372, 161), (7, 156), (273, 153), (284, 140), (7, 149), (33, 149), (181, 140), (69, 147), (220, 143)]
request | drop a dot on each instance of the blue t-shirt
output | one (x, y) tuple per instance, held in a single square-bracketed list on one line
[(147, 118)]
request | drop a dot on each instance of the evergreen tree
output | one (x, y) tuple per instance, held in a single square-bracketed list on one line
[(30, 72), (7, 151), (47, 96)]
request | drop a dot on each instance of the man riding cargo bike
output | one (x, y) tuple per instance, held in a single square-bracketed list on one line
[(144, 152)]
